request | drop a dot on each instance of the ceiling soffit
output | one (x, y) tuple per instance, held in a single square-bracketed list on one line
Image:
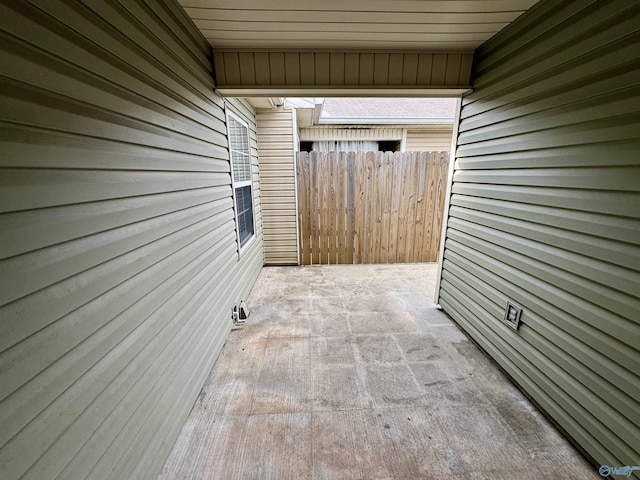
[(341, 73), (337, 47), (418, 25)]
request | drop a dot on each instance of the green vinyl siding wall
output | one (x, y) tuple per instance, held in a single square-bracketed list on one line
[(545, 212), (119, 261)]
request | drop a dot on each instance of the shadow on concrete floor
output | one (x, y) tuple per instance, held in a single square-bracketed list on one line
[(351, 372)]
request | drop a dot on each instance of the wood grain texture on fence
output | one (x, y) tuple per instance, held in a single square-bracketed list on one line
[(372, 207)]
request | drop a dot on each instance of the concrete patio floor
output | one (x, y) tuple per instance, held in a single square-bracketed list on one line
[(351, 372)]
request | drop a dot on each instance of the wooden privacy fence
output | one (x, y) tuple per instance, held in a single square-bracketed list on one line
[(373, 207)]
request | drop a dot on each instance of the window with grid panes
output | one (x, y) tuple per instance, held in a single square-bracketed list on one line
[(241, 172)]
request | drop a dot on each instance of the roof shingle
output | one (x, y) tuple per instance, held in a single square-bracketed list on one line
[(389, 107)]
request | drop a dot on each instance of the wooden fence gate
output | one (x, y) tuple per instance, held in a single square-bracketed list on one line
[(374, 207)]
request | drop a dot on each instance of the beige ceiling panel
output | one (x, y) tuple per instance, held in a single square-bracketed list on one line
[(425, 64), (355, 24), (307, 68), (410, 69), (322, 62), (330, 44), (351, 68), (306, 26), (432, 6), (276, 68), (292, 68), (247, 68), (237, 70), (336, 68), (452, 69), (346, 47), (261, 60), (301, 16), (381, 69), (225, 39)]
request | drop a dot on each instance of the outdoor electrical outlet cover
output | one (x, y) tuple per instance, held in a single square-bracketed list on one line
[(512, 315), (243, 311)]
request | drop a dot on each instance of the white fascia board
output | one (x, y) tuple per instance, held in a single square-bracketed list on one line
[(296, 102)]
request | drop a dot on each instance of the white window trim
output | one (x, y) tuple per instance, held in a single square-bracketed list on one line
[(234, 184)]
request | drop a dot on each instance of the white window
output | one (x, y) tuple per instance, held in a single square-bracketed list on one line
[(241, 173)]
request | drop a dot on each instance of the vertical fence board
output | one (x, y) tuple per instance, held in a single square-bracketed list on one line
[(396, 192), (314, 211), (377, 209), (420, 207), (368, 200), (324, 181), (442, 163), (303, 206), (385, 182), (411, 213), (360, 210), (370, 207), (341, 205), (412, 224), (332, 244), (403, 209), (351, 207), (432, 182)]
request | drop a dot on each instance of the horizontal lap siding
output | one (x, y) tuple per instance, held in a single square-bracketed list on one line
[(354, 132), (118, 252), (278, 176), (545, 212), (428, 140)]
